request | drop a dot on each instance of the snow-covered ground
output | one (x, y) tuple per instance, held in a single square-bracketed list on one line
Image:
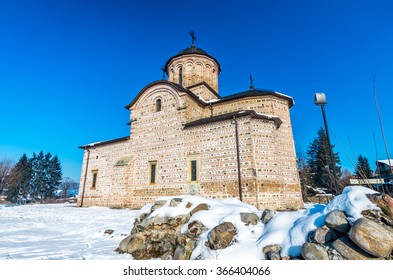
[(64, 231)]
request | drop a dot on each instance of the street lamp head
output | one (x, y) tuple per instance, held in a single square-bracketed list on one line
[(320, 99)]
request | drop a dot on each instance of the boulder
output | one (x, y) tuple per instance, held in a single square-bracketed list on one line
[(157, 205), (199, 207), (249, 218), (313, 251), (184, 252), (372, 237), (383, 201), (336, 220), (134, 245), (123, 244), (175, 201), (272, 252), (195, 229), (221, 236), (323, 235), (267, 215), (350, 250)]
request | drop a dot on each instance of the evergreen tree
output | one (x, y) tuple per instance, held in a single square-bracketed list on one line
[(19, 182), (363, 169), (47, 175), (319, 163)]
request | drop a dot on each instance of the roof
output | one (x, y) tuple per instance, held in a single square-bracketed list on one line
[(200, 101), (171, 84), (257, 92), (192, 50), (386, 161), (231, 115), (104, 142)]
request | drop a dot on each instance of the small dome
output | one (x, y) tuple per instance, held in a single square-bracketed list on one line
[(191, 50)]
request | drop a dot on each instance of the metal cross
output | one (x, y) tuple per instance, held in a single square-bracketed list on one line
[(193, 38)]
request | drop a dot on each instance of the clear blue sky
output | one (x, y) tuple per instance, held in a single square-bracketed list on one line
[(68, 68)]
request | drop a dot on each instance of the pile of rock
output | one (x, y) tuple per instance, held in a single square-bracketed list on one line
[(369, 237), (155, 236), (158, 235)]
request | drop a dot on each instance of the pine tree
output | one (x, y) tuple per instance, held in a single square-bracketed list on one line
[(19, 182), (363, 169), (319, 163), (47, 175)]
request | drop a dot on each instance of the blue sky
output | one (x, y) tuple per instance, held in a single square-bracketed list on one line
[(68, 68)]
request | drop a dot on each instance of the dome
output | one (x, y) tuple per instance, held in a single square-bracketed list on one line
[(191, 50)]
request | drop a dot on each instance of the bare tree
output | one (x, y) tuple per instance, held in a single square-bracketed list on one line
[(5, 169), (66, 184)]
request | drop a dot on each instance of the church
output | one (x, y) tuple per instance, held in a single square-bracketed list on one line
[(187, 139)]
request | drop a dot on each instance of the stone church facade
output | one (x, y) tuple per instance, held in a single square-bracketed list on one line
[(187, 139)]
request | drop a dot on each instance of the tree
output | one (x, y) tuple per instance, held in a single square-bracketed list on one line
[(5, 170), (320, 165), (46, 177), (363, 170), (19, 182), (68, 187), (304, 175)]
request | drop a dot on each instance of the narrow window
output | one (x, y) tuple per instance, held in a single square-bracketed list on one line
[(194, 171), (181, 76), (193, 168), (158, 105), (152, 172), (94, 180)]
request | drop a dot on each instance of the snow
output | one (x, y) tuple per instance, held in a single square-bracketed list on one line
[(64, 231), (388, 162)]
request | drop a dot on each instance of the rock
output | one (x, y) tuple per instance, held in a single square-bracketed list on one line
[(324, 235), (157, 235), (267, 215), (383, 201), (195, 229), (157, 205), (141, 217), (188, 205), (377, 216), (199, 207), (334, 255), (221, 236), (175, 201), (313, 251), (109, 231), (372, 237), (336, 220), (181, 239), (123, 244), (272, 252), (134, 245), (350, 250), (249, 218), (184, 253)]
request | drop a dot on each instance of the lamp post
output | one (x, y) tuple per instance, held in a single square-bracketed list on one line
[(320, 100)]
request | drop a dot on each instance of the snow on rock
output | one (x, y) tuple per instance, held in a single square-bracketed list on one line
[(289, 230)]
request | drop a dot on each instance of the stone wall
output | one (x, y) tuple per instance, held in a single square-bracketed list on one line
[(160, 137)]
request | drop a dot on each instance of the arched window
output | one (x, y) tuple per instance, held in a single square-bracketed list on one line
[(181, 76), (158, 105)]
